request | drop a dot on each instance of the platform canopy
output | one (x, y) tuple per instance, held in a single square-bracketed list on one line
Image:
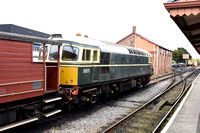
[(186, 14)]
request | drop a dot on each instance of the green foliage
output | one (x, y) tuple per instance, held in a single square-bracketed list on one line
[(177, 55)]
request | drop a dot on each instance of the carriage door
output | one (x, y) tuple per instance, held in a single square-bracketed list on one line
[(95, 66), (52, 69)]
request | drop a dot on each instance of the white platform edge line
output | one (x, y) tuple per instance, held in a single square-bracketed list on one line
[(179, 108)]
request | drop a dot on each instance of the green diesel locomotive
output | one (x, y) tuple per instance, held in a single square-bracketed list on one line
[(88, 68)]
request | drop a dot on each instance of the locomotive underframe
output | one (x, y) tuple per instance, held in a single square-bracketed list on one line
[(20, 110), (91, 93)]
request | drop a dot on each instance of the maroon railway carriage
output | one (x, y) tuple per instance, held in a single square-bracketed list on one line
[(24, 82)]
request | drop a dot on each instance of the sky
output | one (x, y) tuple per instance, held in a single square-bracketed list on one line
[(108, 20)]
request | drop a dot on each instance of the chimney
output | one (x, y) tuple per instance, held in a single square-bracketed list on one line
[(78, 34), (134, 29), (86, 36)]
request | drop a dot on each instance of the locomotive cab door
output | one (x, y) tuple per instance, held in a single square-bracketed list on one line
[(52, 68), (51, 77)]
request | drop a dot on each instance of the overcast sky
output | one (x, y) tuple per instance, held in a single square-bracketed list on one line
[(109, 20)]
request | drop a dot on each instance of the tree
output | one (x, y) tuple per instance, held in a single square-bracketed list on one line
[(177, 55)]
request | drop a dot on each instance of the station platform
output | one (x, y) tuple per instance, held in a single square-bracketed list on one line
[(186, 118)]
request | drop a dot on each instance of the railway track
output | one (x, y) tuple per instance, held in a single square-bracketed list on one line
[(151, 116), (65, 117)]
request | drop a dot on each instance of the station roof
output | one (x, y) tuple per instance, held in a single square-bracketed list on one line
[(186, 14)]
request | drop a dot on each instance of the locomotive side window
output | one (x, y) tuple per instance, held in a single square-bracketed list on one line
[(94, 55), (105, 58), (83, 56), (86, 55), (70, 53), (53, 55)]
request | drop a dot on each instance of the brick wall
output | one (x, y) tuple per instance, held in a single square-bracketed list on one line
[(161, 57)]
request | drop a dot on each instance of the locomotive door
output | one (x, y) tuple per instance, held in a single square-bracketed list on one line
[(51, 77), (52, 69), (95, 66)]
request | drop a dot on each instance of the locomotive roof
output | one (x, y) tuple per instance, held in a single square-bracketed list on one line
[(107, 47), (26, 38)]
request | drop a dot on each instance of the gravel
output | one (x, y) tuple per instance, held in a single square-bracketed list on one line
[(96, 117)]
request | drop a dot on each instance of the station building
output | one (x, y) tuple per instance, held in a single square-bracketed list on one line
[(161, 57)]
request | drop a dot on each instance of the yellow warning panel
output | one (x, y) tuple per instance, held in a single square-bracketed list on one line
[(68, 75)]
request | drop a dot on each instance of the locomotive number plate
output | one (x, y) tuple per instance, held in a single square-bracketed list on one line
[(86, 70)]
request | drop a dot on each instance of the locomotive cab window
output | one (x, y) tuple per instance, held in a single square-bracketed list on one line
[(41, 52), (70, 53), (53, 54), (86, 55)]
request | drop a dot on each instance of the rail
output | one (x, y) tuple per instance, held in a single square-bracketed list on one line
[(152, 103)]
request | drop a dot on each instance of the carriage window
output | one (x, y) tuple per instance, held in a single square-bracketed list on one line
[(41, 53), (86, 55), (53, 55), (70, 53), (95, 55)]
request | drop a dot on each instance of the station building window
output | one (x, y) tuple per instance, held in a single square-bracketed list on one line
[(70, 53)]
